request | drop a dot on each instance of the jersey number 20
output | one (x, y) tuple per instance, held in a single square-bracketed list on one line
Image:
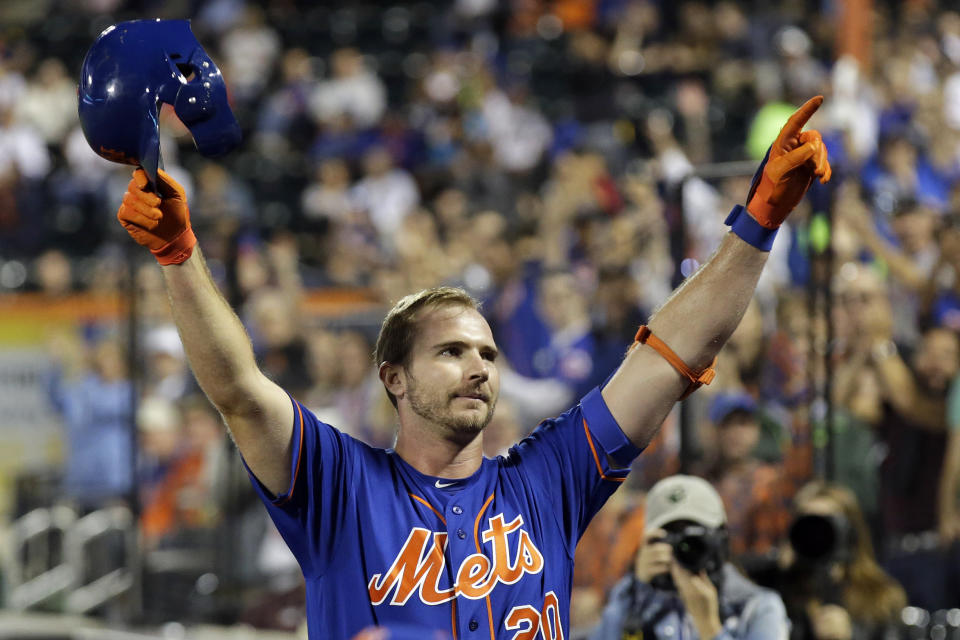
[(529, 622)]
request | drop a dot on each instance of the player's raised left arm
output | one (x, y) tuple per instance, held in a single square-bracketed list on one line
[(703, 312)]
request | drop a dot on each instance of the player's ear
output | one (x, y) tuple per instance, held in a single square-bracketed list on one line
[(393, 378)]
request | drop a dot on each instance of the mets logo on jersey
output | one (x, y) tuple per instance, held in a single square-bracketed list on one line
[(421, 562)]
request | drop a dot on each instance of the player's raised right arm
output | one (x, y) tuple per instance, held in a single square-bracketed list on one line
[(257, 411)]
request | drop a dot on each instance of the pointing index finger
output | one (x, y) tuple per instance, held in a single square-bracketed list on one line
[(800, 116)]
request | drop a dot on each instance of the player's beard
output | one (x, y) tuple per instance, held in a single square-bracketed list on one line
[(437, 408)]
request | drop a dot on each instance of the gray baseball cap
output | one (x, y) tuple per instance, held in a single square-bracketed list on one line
[(683, 497)]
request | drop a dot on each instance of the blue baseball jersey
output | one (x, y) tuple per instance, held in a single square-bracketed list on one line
[(484, 557)]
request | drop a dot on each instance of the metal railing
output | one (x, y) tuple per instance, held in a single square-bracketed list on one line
[(75, 564), (95, 528), (36, 569)]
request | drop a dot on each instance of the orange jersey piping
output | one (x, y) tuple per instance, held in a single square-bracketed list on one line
[(296, 470), (429, 506), (476, 539), (596, 458)]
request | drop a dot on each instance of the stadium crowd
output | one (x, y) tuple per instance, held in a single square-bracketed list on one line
[(567, 162)]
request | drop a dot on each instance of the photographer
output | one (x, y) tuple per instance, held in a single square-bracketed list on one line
[(682, 585), (831, 583)]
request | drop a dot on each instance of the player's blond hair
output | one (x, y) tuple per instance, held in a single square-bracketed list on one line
[(399, 329)]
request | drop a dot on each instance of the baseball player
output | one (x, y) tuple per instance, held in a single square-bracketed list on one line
[(431, 533)]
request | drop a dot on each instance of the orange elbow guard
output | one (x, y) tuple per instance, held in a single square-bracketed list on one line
[(697, 380)]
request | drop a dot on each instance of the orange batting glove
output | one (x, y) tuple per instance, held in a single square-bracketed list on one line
[(161, 222), (794, 159), (792, 162)]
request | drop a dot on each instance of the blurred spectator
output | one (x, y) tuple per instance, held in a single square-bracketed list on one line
[(648, 256), (940, 302), (387, 192), (154, 310), (606, 551), (911, 261), (948, 512), (828, 575), (753, 491), (518, 133), (90, 387), (509, 277), (900, 172), (741, 359), (223, 204), (352, 90), (24, 162), (250, 50), (854, 109), (569, 356), (181, 443), (862, 319), (803, 74), (785, 379), (49, 103), (275, 329), (328, 195), (913, 427), (615, 316), (359, 399), (53, 273), (661, 458), (284, 120), (743, 367), (354, 254), (419, 252), (323, 364), (503, 432), (82, 196), (161, 436), (167, 374), (534, 399), (682, 585)]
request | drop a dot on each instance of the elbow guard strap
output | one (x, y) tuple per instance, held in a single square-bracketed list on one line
[(697, 380)]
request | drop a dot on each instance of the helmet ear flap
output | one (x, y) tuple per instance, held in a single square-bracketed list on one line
[(184, 91), (192, 104)]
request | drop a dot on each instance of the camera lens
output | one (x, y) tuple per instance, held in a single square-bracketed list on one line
[(813, 537), (691, 552)]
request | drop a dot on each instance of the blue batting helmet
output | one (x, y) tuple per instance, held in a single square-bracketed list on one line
[(133, 67)]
